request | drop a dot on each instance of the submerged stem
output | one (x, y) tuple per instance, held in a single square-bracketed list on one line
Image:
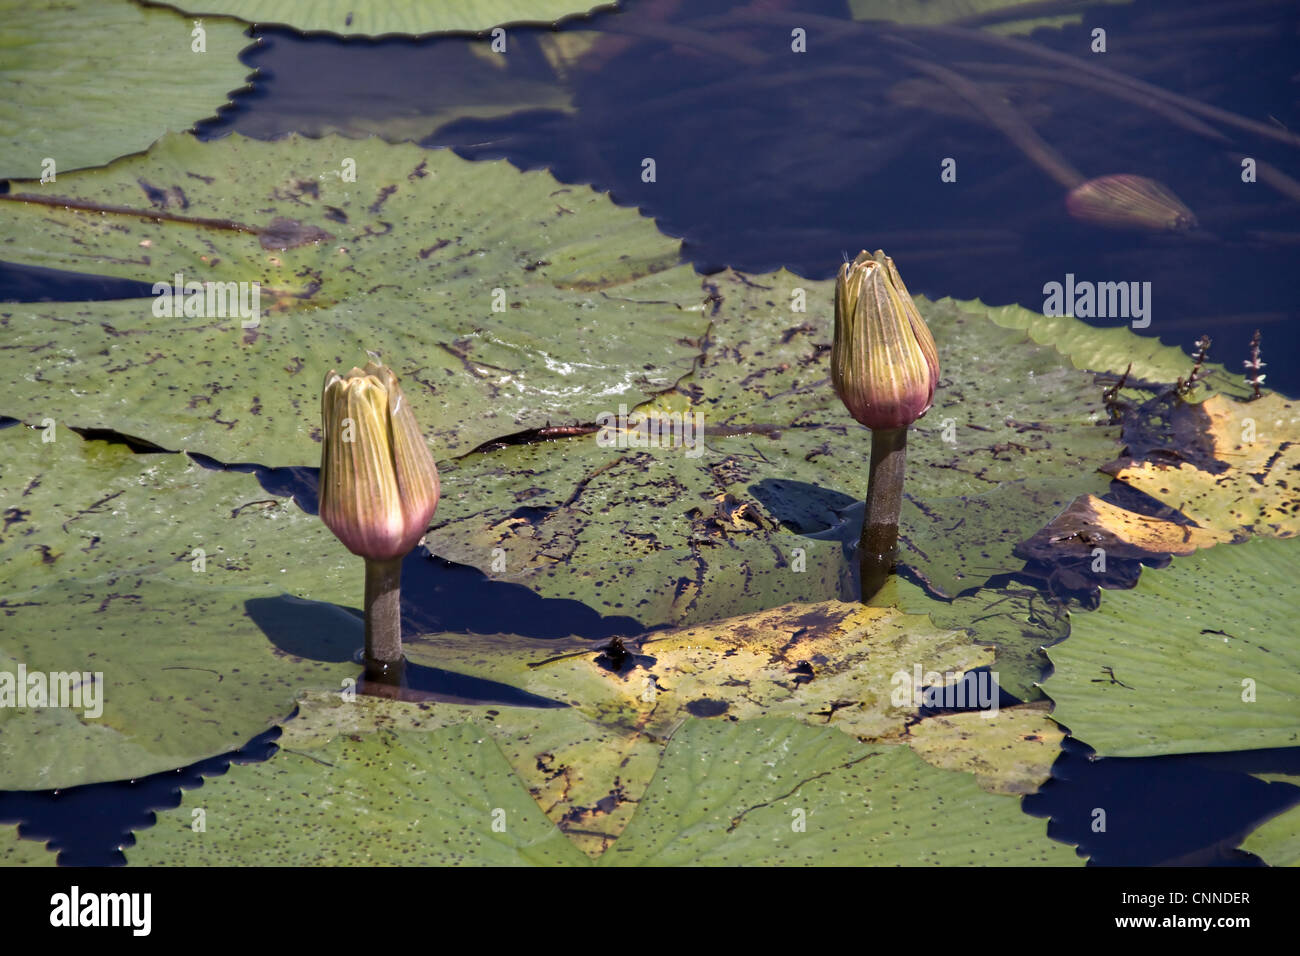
[(383, 657), (878, 548)]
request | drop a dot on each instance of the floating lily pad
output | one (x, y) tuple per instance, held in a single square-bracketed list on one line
[(382, 799), (1018, 621), (15, 851), (1256, 486), (955, 544), (776, 792), (1199, 657), (410, 261), (1091, 523), (1010, 751), (948, 11), (68, 68), (387, 17), (1114, 349), (1015, 435), (1277, 841), (651, 533), (101, 569), (589, 762)]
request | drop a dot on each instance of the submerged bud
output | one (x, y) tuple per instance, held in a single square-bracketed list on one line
[(884, 364), (378, 482), (1129, 202)]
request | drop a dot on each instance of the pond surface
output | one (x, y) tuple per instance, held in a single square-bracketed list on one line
[(842, 148)]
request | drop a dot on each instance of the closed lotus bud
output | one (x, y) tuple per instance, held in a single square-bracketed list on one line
[(884, 364), (378, 482), (1129, 202)]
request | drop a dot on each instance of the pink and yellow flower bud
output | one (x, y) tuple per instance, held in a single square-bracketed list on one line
[(884, 363), (1125, 201), (378, 483)]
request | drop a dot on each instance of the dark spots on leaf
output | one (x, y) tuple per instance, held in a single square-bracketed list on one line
[(440, 244), (14, 516), (381, 199), (336, 214), (157, 197), (419, 172), (205, 179), (284, 233), (806, 329), (707, 707), (130, 598)]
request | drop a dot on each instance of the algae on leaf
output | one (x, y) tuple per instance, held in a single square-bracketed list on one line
[(70, 68), (1199, 657)]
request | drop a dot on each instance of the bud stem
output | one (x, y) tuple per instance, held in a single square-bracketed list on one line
[(383, 658), (878, 547)]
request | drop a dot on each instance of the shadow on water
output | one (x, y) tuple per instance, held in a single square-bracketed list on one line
[(1179, 810), (90, 825)]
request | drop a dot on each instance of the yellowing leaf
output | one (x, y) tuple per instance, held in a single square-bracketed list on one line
[(1258, 491), (1009, 751), (588, 761), (1091, 523)]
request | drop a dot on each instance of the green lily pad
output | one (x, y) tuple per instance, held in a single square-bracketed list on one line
[(691, 534), (588, 763), (384, 799), (1019, 622), (102, 576), (1010, 751), (957, 544), (779, 792), (753, 791), (68, 68), (387, 17), (15, 851), (1113, 349), (1199, 657), (409, 261), (646, 533), (934, 12), (1277, 841)]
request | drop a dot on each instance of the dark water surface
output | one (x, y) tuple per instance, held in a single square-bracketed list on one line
[(793, 161), (789, 163)]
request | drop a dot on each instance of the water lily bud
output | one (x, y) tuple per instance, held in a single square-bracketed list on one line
[(884, 364), (1129, 202), (378, 482)]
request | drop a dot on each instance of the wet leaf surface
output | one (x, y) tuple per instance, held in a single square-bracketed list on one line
[(1252, 485), (390, 798), (69, 67), (386, 17), (99, 552), (777, 792), (491, 326), (1198, 657)]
